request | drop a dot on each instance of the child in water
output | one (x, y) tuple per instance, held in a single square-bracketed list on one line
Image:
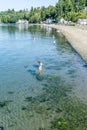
[(40, 65), (40, 68), (39, 76)]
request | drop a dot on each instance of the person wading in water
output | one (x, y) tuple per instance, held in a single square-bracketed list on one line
[(40, 67)]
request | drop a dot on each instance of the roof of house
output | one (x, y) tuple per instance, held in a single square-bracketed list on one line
[(82, 20)]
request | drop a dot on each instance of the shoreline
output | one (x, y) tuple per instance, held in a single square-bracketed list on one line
[(77, 37)]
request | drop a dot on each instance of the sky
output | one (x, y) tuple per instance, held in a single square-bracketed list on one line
[(23, 4)]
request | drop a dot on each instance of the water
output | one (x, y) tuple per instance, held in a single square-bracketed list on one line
[(26, 95)]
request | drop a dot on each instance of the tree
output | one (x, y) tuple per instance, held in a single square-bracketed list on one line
[(68, 6), (43, 13), (35, 15), (4, 19), (82, 4), (86, 3), (59, 8), (67, 9)]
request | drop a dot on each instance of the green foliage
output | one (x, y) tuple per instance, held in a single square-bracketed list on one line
[(57, 105), (60, 8), (67, 9), (50, 12), (69, 6), (11, 16), (42, 129), (86, 3), (60, 124), (3, 103), (82, 15), (74, 16), (71, 9)]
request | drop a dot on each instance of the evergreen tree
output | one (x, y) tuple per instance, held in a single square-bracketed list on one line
[(82, 4), (59, 8), (43, 14), (86, 3), (68, 6)]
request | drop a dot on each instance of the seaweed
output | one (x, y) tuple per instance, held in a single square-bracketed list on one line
[(24, 108), (60, 124), (57, 101), (10, 92), (3, 103), (42, 129), (28, 99)]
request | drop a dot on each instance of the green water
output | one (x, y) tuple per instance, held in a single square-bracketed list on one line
[(54, 100)]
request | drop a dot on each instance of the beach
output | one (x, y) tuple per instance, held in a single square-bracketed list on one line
[(76, 35)]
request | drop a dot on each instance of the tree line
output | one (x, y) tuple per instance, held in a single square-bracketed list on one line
[(70, 10)]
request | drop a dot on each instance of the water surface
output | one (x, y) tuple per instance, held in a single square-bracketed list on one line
[(31, 101)]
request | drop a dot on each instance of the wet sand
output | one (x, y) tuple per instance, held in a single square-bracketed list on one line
[(77, 36)]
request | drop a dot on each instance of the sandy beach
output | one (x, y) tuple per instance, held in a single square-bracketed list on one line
[(77, 36)]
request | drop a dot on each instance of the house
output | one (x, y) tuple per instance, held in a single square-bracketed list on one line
[(22, 21), (82, 21), (63, 21), (48, 21)]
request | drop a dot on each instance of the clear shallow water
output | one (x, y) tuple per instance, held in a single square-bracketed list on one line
[(20, 85)]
